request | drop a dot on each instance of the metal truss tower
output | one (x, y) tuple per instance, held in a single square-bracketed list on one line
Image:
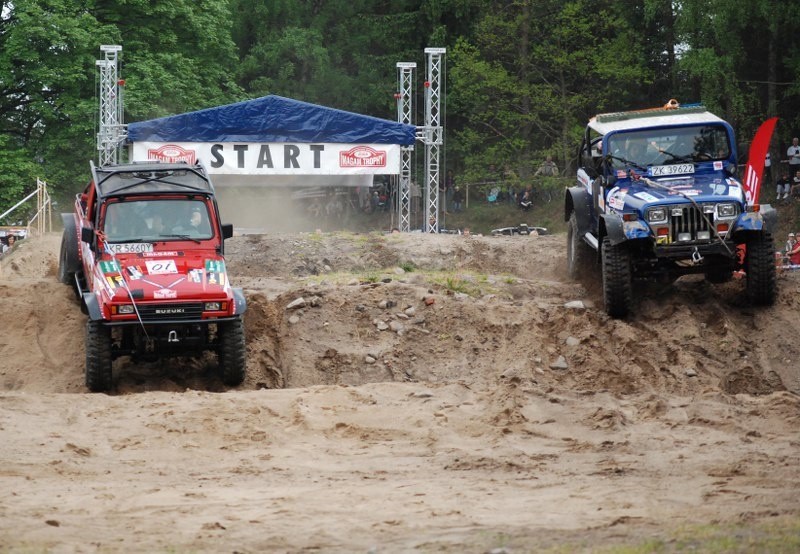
[(405, 74), (432, 135), (112, 131)]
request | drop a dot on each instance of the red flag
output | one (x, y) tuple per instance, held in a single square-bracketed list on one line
[(755, 161)]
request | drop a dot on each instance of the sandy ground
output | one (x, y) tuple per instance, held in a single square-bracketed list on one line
[(434, 394)]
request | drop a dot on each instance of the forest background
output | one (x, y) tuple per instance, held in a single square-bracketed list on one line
[(521, 77)]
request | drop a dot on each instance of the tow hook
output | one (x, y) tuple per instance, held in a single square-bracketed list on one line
[(173, 336), (696, 256)]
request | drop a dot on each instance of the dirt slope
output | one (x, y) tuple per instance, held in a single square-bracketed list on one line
[(434, 393)]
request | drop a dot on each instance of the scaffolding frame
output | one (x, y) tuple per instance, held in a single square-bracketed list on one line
[(432, 135), (405, 114), (112, 131)]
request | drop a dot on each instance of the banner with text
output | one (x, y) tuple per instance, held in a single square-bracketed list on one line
[(279, 158)]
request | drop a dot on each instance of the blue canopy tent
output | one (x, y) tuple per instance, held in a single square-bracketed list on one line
[(272, 119)]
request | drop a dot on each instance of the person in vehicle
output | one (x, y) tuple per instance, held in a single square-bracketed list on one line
[(197, 225)]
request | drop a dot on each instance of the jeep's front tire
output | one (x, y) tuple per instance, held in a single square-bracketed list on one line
[(760, 266), (617, 278), (578, 252), (231, 354), (98, 357)]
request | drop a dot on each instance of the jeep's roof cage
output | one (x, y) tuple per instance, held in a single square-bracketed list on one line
[(150, 178), (671, 113)]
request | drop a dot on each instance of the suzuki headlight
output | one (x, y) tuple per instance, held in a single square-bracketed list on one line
[(726, 210), (657, 215), (212, 306), (125, 309)]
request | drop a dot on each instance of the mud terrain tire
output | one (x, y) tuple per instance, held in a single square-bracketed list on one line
[(578, 252), (231, 354), (98, 357), (760, 267), (68, 262), (617, 279)]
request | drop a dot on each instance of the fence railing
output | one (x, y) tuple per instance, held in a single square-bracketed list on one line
[(41, 221)]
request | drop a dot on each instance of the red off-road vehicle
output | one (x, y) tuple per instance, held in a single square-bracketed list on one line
[(144, 252)]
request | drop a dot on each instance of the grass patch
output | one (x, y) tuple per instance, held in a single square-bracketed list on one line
[(482, 217), (408, 266), (776, 536), (471, 284)]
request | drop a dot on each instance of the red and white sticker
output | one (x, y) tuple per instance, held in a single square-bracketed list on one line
[(165, 293), (161, 267)]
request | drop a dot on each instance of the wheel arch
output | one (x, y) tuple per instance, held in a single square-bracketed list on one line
[(92, 306), (578, 200)]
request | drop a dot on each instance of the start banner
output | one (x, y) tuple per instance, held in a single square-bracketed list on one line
[(279, 158)]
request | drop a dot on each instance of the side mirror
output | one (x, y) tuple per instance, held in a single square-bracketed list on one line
[(87, 234), (227, 230)]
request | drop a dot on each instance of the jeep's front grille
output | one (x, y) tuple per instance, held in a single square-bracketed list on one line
[(174, 311), (690, 221)]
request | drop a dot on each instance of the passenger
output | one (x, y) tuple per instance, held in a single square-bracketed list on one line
[(196, 226)]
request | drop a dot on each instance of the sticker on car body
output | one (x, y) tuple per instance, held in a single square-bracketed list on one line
[(646, 196), (161, 267)]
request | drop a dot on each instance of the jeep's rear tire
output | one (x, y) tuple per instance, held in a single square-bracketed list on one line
[(98, 357), (578, 252), (68, 262), (231, 355), (760, 266), (617, 279)]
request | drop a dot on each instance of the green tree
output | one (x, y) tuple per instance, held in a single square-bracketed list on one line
[(531, 76)]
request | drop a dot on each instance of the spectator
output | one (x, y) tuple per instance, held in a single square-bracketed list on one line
[(416, 196), (11, 239), (796, 185), (790, 242), (793, 153), (449, 191), (794, 254), (767, 177), (458, 198), (363, 199), (783, 186), (548, 168), (526, 199)]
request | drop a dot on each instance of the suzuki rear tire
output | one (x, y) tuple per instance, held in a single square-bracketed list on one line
[(760, 266), (578, 252), (231, 355), (617, 279), (98, 357), (68, 262)]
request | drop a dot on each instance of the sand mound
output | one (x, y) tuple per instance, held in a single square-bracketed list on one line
[(430, 391)]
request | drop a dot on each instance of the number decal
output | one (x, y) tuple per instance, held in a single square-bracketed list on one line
[(161, 267)]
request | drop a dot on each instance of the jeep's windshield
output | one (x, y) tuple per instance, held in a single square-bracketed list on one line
[(668, 145), (156, 220)]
